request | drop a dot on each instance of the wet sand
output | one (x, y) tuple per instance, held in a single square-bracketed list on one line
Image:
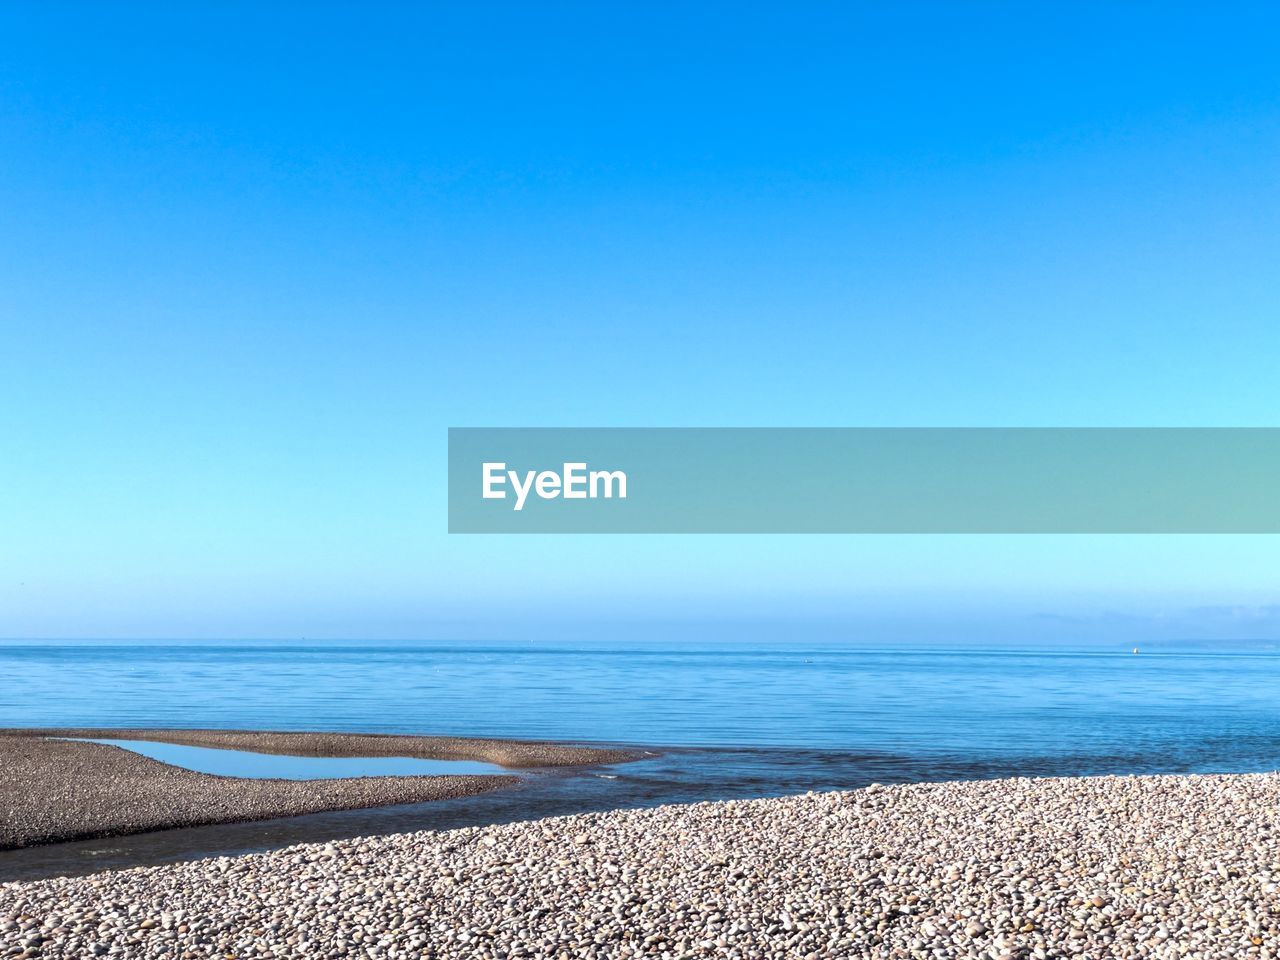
[(57, 790)]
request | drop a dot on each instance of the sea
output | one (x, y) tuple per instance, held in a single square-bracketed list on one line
[(720, 719)]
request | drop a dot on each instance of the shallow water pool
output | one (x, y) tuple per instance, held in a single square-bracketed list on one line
[(263, 766)]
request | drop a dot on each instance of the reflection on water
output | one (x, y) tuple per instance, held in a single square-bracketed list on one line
[(261, 766)]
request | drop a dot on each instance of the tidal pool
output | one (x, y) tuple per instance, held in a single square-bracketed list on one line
[(264, 766)]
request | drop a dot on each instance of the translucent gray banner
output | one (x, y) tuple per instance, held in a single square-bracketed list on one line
[(864, 480)]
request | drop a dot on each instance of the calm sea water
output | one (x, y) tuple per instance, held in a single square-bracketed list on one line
[(1176, 706), (729, 720)]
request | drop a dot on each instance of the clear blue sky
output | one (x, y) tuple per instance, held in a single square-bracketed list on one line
[(256, 258)]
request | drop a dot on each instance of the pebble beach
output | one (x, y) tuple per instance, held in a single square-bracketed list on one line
[(1107, 867), (54, 789)]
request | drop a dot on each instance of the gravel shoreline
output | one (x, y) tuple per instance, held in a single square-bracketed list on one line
[(55, 790), (1171, 866)]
